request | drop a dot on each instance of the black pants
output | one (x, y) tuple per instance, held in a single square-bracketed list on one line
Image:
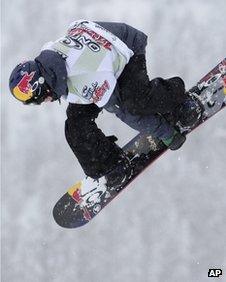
[(145, 105), (144, 97)]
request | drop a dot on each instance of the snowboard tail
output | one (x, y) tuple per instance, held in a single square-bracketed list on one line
[(87, 198)]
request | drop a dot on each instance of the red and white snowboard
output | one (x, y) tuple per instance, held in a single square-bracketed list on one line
[(87, 198)]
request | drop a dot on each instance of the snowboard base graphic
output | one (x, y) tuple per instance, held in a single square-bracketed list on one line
[(87, 198)]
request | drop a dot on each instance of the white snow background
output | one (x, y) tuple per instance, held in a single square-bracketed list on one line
[(170, 224)]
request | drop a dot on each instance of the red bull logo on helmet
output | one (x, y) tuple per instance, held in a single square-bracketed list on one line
[(23, 90)]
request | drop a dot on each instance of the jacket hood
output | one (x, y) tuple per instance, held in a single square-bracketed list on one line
[(53, 69)]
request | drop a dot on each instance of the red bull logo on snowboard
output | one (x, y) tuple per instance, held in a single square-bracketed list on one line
[(75, 193), (224, 82), (23, 90)]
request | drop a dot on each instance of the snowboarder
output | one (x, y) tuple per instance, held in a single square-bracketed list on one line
[(102, 65)]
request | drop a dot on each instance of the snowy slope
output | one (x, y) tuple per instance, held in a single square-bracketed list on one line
[(170, 225)]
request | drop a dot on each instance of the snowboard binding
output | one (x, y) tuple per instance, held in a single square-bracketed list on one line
[(188, 114), (121, 174)]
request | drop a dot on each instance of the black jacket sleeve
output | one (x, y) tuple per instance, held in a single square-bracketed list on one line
[(135, 39), (96, 153)]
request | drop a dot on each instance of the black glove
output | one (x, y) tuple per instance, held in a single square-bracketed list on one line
[(175, 142), (112, 138)]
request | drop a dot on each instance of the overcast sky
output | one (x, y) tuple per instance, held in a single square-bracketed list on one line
[(169, 225)]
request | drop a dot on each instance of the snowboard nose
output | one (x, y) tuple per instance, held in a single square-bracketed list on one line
[(68, 214)]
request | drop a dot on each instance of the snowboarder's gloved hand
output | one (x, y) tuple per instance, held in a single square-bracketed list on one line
[(120, 173), (112, 138), (175, 142)]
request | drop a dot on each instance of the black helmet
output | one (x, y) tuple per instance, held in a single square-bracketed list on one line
[(27, 84)]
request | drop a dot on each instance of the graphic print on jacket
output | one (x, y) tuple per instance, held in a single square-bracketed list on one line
[(95, 58)]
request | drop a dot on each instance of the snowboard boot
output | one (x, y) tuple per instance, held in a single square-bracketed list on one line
[(187, 114), (190, 112), (120, 174)]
